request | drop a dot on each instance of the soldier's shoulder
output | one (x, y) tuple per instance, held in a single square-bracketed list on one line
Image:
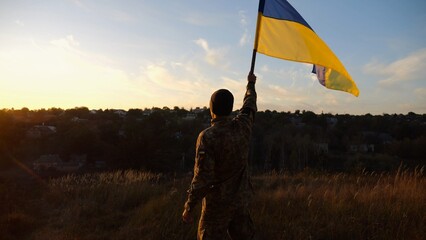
[(206, 133), (243, 119), (214, 132)]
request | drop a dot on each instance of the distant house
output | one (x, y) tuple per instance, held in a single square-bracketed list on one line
[(39, 131), (362, 148), (199, 110), (70, 166), (121, 113), (78, 158), (321, 148), (79, 120), (47, 162), (147, 112), (377, 137), (332, 121), (54, 162), (385, 138), (100, 164), (297, 121), (122, 133), (178, 135), (190, 116)]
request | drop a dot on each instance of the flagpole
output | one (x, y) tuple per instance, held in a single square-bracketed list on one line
[(253, 61), (256, 41)]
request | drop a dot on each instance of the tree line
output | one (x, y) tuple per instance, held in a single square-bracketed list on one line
[(163, 139)]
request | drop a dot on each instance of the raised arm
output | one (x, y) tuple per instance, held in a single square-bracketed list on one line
[(249, 106)]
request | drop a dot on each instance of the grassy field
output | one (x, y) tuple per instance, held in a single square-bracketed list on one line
[(141, 205)]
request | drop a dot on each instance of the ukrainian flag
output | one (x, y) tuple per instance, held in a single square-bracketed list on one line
[(283, 33)]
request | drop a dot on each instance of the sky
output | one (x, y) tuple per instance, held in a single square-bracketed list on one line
[(110, 54)]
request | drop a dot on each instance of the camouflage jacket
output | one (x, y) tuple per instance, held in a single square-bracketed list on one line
[(220, 172)]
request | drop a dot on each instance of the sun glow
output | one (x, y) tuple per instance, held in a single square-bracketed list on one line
[(57, 74)]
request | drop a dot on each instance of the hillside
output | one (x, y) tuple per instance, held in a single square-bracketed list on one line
[(142, 205)]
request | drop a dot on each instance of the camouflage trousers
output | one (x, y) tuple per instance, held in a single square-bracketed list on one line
[(231, 224)]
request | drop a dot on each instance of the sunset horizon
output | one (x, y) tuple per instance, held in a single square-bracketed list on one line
[(146, 54)]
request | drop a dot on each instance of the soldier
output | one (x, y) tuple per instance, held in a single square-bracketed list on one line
[(221, 178)]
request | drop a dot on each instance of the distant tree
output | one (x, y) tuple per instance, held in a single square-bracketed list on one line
[(135, 113), (80, 112), (309, 117)]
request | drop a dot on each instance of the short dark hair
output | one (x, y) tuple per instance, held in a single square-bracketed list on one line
[(221, 102)]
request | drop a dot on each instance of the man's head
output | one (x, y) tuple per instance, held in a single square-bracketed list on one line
[(221, 103)]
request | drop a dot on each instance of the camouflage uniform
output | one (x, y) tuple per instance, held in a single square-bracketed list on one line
[(221, 178)]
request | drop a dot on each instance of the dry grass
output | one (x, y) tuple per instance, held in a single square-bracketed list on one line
[(140, 205), (341, 206)]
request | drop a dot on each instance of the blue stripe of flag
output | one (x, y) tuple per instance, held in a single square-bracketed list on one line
[(280, 9)]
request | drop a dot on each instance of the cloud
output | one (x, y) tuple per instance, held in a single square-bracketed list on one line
[(200, 20), (420, 93), (410, 68), (121, 16), (111, 13), (264, 68), (290, 98), (19, 23), (236, 86), (295, 75), (244, 39), (278, 90), (68, 42), (161, 76), (213, 56), (79, 4), (274, 92), (233, 84), (331, 100), (243, 22), (171, 83)]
